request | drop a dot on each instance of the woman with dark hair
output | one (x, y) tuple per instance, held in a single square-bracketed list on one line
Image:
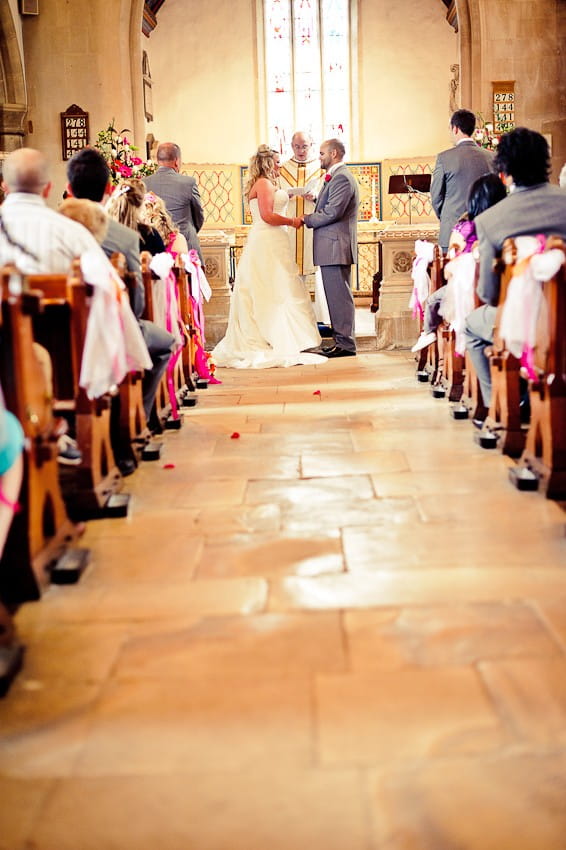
[(484, 193), (271, 320)]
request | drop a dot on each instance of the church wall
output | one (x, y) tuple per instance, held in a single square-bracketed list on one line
[(405, 52), (205, 83), (524, 41), (76, 53), (205, 88)]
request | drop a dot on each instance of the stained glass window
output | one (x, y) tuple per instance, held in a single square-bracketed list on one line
[(307, 64)]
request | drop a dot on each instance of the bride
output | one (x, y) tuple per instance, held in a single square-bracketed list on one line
[(271, 318)]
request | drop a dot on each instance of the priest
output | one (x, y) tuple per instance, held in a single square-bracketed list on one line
[(299, 175)]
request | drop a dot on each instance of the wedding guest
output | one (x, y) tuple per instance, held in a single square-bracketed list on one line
[(11, 468), (89, 177), (532, 206), (87, 213), (126, 206), (179, 192), (154, 213), (485, 192), (455, 171)]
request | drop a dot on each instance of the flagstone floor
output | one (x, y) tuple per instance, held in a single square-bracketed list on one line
[(330, 624)]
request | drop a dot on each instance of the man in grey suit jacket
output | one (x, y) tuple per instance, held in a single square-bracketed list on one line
[(455, 171), (533, 206), (335, 241), (179, 193)]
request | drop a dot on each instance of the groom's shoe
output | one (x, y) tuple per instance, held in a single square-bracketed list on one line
[(325, 331), (336, 351)]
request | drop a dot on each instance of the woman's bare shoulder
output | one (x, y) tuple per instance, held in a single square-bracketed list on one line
[(262, 186)]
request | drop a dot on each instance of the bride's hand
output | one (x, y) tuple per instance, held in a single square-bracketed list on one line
[(296, 223)]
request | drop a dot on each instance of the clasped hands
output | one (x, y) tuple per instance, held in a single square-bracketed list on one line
[(297, 222)]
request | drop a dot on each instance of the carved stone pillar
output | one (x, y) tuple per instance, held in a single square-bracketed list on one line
[(12, 126), (215, 247), (394, 323)]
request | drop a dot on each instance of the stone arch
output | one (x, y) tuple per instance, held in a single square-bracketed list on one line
[(13, 97), (469, 47)]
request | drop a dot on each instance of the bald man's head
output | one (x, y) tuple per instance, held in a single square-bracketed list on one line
[(26, 170)]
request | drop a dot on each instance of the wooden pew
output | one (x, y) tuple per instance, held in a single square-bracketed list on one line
[(40, 544), (471, 401), (188, 357), (164, 403), (502, 428), (543, 462), (131, 437), (91, 489), (427, 358)]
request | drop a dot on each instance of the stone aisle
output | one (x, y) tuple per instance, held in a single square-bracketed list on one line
[(342, 630)]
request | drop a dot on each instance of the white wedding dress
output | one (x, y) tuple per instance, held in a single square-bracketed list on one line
[(271, 318)]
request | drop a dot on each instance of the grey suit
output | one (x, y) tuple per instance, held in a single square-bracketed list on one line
[(454, 172), (335, 245), (526, 211), (181, 197), (127, 242)]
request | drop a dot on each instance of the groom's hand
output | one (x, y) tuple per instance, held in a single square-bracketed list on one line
[(297, 223)]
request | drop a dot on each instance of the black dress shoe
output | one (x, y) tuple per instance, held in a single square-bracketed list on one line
[(338, 352), (325, 331), (126, 466)]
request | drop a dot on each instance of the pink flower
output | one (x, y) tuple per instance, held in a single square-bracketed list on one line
[(135, 160), (125, 170), (328, 178)]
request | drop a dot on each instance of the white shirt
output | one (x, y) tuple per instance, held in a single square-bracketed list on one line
[(113, 344), (54, 239)]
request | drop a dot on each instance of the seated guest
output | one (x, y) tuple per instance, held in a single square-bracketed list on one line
[(36, 239), (154, 213), (87, 213), (89, 177), (532, 206), (39, 240), (126, 206), (11, 468), (485, 192)]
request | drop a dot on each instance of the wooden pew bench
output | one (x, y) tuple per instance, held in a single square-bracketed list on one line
[(502, 427), (543, 461), (130, 434), (93, 488), (40, 547)]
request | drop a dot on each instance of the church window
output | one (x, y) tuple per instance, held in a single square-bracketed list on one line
[(307, 69)]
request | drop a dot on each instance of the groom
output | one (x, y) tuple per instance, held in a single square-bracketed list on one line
[(334, 222)]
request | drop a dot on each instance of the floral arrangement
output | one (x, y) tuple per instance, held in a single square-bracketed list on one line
[(121, 155), (484, 135)]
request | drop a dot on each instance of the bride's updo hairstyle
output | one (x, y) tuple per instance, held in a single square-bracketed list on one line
[(262, 164)]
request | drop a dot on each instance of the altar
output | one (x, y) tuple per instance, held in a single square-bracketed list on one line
[(388, 249)]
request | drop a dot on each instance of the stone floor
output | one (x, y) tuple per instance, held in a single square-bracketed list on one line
[(331, 624)]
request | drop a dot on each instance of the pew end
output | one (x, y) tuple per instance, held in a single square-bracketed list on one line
[(542, 465), (89, 487), (43, 531)]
